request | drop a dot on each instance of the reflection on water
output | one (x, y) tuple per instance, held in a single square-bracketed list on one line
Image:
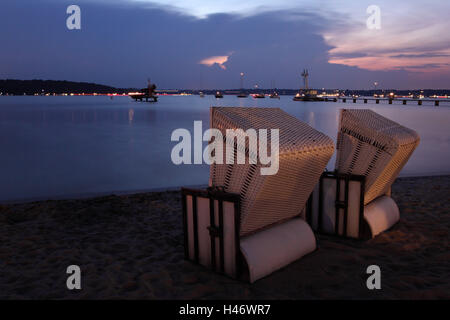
[(130, 116), (54, 146)]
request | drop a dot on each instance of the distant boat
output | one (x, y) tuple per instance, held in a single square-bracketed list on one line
[(219, 95), (274, 95), (298, 97), (307, 95), (145, 94), (202, 95), (259, 96), (310, 95), (242, 95)]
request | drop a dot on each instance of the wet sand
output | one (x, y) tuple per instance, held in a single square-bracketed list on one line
[(131, 247)]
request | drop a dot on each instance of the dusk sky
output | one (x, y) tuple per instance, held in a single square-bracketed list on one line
[(206, 44)]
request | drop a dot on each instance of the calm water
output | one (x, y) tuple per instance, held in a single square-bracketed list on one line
[(65, 146)]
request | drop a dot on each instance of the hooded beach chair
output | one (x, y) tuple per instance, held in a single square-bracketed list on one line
[(246, 223), (354, 200)]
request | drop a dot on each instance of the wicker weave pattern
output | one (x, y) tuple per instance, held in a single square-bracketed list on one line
[(265, 200), (374, 146)]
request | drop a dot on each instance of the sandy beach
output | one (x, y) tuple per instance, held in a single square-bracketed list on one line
[(131, 247)]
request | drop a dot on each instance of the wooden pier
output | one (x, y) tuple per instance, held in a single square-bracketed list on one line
[(404, 101)]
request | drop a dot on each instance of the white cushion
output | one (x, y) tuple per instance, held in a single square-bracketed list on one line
[(381, 214)]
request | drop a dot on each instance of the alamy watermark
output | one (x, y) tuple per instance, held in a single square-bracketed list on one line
[(373, 22), (374, 280), (257, 150), (73, 22), (74, 280)]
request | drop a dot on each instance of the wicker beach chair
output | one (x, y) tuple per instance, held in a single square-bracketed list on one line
[(251, 222), (355, 200)]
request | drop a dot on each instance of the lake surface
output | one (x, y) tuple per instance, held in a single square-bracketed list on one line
[(54, 147)]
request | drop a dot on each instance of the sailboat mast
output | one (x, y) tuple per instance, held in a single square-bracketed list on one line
[(305, 75)]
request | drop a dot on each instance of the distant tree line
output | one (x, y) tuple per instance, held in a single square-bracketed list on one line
[(31, 87)]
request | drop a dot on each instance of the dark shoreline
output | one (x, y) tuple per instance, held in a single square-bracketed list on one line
[(89, 195), (131, 247), (15, 87)]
